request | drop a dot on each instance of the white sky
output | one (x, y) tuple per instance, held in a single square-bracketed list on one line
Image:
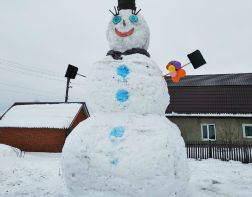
[(45, 36)]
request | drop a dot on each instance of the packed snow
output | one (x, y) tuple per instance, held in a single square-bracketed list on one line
[(146, 89), (215, 178), (132, 159), (139, 39), (127, 147), (39, 175), (30, 174), (41, 116), (7, 151)]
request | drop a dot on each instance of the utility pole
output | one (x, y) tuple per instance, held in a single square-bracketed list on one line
[(67, 89), (71, 73)]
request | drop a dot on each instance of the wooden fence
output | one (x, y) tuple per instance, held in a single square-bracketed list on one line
[(237, 151)]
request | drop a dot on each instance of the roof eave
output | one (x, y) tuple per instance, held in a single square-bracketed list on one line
[(210, 115)]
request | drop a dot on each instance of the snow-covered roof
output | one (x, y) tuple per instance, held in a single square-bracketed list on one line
[(210, 115), (58, 116)]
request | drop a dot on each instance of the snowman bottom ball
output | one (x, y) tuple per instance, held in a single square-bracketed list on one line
[(125, 155)]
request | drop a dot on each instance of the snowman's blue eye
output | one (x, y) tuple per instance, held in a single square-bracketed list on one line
[(117, 19), (133, 18)]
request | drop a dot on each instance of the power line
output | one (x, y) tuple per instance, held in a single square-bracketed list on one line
[(30, 75), (22, 92), (3, 66), (27, 70), (28, 67), (31, 71), (25, 88)]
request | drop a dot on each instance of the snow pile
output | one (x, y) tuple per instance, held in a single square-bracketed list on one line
[(39, 175), (40, 116), (8, 151), (136, 159), (35, 174), (220, 179)]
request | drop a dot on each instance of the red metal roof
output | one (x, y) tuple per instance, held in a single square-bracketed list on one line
[(207, 94), (214, 80)]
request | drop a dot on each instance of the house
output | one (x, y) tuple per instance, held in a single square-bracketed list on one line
[(212, 107), (40, 127)]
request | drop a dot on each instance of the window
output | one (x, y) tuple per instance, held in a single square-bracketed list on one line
[(208, 132), (247, 130)]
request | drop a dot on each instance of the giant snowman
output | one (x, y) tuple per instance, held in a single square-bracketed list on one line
[(127, 148)]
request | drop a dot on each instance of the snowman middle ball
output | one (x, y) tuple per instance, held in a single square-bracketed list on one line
[(131, 85)]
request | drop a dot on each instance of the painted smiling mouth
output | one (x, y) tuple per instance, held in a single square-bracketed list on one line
[(124, 34)]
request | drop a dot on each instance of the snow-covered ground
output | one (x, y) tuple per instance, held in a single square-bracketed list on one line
[(31, 175), (38, 174), (215, 178)]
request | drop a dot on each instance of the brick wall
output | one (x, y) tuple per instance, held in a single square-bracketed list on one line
[(39, 140), (34, 140), (79, 118)]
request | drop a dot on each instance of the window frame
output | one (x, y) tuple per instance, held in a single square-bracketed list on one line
[(243, 129), (207, 124)]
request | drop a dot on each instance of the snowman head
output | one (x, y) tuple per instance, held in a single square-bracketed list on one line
[(128, 29)]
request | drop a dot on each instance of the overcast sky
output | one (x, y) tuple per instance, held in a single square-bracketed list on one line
[(38, 39)]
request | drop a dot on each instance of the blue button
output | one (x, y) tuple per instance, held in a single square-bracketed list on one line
[(122, 95), (114, 162), (123, 71), (117, 132)]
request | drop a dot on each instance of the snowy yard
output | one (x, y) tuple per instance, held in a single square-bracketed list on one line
[(38, 174)]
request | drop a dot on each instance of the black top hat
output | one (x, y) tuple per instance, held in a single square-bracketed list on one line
[(126, 4)]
